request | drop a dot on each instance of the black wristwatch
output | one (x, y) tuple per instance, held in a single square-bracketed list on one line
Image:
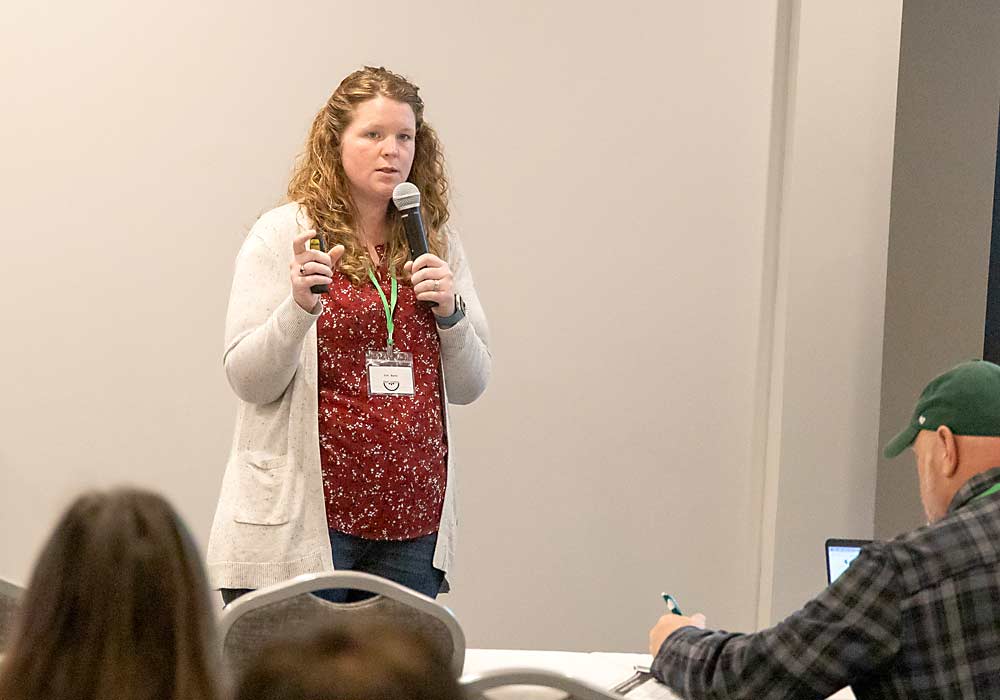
[(457, 315)]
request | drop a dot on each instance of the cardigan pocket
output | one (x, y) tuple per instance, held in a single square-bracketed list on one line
[(265, 490)]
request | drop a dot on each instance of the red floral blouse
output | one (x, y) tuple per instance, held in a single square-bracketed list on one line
[(383, 457)]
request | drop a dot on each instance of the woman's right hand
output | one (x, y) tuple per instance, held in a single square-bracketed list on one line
[(311, 267)]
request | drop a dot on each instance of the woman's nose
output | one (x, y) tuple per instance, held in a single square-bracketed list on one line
[(389, 146)]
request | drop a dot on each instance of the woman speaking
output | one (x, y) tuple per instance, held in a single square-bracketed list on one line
[(345, 361)]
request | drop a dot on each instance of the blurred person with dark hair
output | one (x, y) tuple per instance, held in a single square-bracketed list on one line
[(117, 608), (360, 663)]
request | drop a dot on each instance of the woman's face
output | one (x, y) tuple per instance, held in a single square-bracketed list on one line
[(377, 149)]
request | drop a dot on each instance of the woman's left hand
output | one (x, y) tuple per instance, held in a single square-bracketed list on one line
[(432, 281)]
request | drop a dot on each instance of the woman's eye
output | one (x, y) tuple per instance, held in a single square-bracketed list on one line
[(405, 137), (372, 134)]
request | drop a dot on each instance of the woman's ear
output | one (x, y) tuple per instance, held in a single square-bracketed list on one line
[(949, 450)]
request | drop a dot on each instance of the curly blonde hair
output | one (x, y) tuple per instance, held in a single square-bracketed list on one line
[(320, 185)]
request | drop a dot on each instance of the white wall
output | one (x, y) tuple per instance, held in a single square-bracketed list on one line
[(638, 219), (832, 242)]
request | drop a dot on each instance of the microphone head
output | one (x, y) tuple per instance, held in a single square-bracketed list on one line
[(406, 196)]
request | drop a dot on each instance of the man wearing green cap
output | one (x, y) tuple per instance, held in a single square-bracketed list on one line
[(915, 617)]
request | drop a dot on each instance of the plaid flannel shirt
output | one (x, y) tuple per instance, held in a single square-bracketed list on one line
[(915, 617)]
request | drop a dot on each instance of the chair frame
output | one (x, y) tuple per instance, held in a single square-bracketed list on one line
[(308, 583), (11, 590), (476, 684), (15, 593)]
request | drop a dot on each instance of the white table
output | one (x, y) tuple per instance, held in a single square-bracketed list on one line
[(602, 669)]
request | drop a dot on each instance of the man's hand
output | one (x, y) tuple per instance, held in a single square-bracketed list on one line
[(668, 624)]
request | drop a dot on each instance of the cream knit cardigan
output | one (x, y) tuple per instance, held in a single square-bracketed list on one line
[(270, 523)]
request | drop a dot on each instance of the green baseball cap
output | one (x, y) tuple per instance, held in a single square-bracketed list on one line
[(966, 398)]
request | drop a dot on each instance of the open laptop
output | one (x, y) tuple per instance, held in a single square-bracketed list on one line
[(839, 555)]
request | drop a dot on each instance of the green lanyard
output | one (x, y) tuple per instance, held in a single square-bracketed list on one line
[(390, 307), (987, 492)]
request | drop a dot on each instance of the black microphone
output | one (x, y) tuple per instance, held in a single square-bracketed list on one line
[(406, 197)]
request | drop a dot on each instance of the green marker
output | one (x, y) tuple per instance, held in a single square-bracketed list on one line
[(671, 604)]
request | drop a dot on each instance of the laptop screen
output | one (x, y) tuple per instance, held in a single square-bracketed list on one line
[(839, 555)]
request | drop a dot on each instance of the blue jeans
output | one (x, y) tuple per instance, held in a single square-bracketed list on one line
[(407, 562)]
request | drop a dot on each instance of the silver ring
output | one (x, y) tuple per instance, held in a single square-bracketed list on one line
[(437, 284), (302, 270)]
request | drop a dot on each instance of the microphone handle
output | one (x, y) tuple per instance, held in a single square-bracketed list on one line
[(318, 244), (416, 239), (415, 236)]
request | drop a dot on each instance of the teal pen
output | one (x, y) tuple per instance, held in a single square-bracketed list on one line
[(671, 604)]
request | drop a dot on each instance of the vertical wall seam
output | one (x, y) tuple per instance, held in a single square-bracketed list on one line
[(770, 351)]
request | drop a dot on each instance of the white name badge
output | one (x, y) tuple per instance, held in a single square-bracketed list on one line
[(390, 373)]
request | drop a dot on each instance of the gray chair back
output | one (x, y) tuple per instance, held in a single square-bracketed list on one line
[(10, 601), (289, 609), (474, 686)]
